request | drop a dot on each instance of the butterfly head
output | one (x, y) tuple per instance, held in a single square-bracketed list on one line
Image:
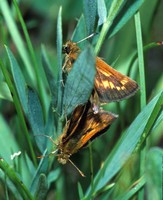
[(70, 47), (63, 158)]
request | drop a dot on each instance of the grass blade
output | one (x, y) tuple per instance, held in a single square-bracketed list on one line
[(18, 108), (31, 51), (22, 189), (59, 54), (6, 12), (140, 60), (142, 87), (124, 16), (128, 143)]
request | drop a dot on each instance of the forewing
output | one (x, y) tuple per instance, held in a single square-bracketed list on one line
[(95, 125), (111, 85), (73, 123)]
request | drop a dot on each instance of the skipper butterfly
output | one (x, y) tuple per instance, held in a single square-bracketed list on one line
[(83, 126), (109, 85)]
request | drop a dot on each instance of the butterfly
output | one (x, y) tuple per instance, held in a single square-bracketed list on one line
[(82, 127), (109, 85)]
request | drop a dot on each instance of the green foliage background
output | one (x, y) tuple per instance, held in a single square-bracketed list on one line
[(126, 162)]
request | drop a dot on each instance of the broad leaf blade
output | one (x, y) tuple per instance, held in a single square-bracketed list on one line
[(42, 187), (5, 92), (36, 118), (90, 8), (102, 11), (80, 81), (18, 80), (50, 77), (42, 169)]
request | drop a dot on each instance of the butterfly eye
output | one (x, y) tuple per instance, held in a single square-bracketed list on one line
[(66, 49)]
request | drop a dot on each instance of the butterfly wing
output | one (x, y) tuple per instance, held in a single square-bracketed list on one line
[(93, 126), (84, 126), (73, 123), (111, 85)]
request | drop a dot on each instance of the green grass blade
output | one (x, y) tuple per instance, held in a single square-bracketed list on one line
[(12, 147), (140, 60), (128, 143), (6, 12), (124, 16), (128, 195), (18, 109), (112, 13), (22, 189), (119, 12), (142, 88), (80, 191), (31, 51), (59, 57)]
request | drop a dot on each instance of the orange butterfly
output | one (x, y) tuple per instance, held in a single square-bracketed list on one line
[(83, 126), (110, 85)]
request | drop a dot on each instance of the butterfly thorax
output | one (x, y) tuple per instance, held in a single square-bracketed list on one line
[(66, 149), (63, 156), (71, 50)]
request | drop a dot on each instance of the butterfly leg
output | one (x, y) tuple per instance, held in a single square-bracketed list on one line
[(95, 102)]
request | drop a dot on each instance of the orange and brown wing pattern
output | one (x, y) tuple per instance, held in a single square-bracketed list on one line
[(95, 125), (90, 126), (73, 123), (111, 85)]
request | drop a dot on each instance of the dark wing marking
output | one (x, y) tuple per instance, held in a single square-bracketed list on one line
[(111, 85)]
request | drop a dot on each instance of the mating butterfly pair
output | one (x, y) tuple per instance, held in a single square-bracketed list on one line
[(84, 124), (89, 121)]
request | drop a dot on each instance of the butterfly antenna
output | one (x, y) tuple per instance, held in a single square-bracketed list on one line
[(86, 38), (80, 172), (47, 155), (47, 136), (50, 138)]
